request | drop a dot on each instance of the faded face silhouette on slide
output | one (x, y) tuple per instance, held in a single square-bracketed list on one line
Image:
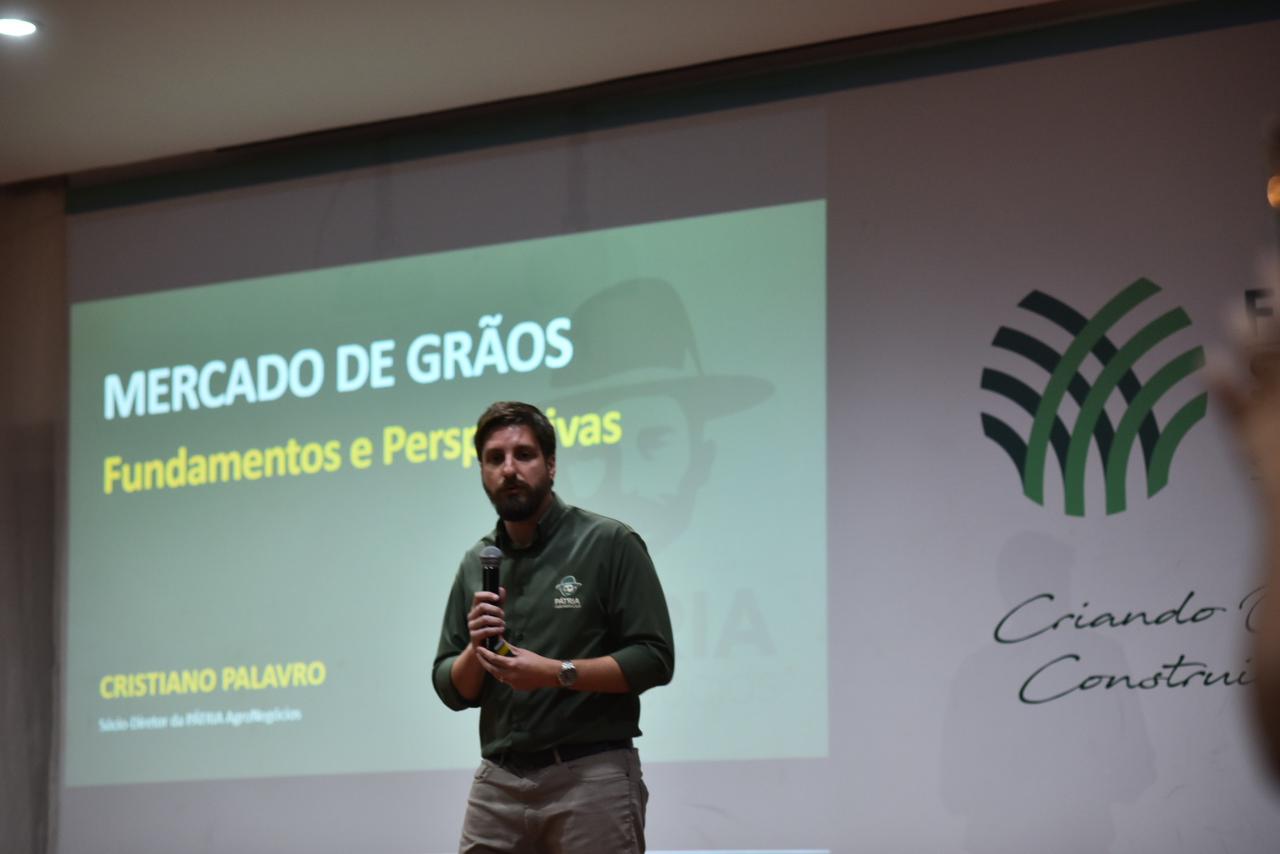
[(635, 353)]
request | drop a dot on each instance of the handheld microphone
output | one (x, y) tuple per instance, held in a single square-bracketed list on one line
[(490, 561)]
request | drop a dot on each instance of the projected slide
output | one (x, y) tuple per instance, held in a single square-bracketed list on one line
[(272, 482)]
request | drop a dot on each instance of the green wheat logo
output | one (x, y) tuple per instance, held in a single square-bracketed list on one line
[(1114, 443)]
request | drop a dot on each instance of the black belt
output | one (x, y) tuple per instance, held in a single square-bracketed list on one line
[(530, 760)]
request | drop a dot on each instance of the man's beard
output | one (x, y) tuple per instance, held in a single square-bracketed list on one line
[(519, 505)]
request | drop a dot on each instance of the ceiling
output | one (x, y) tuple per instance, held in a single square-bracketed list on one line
[(114, 82)]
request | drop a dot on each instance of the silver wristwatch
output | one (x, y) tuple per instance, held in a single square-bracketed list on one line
[(568, 674)]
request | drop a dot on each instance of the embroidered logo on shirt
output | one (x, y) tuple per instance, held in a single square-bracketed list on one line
[(567, 587)]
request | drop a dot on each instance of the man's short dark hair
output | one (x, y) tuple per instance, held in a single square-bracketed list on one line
[(512, 413)]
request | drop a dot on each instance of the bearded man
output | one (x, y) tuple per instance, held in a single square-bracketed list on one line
[(585, 630)]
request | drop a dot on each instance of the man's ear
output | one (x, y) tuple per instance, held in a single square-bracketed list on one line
[(551, 468)]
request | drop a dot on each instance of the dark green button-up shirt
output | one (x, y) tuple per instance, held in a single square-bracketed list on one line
[(585, 588)]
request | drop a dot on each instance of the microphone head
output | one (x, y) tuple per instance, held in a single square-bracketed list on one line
[(490, 556)]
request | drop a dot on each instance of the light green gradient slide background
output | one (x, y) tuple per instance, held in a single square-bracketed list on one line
[(352, 567)]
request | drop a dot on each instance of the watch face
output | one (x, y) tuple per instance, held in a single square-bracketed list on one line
[(568, 673)]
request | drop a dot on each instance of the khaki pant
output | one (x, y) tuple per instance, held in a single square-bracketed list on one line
[(593, 805)]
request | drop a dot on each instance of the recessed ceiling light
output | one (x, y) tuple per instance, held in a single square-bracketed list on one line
[(16, 27)]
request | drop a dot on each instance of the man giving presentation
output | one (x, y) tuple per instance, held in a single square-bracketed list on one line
[(556, 659)]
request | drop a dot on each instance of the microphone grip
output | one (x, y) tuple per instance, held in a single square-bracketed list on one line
[(490, 573), (490, 562)]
